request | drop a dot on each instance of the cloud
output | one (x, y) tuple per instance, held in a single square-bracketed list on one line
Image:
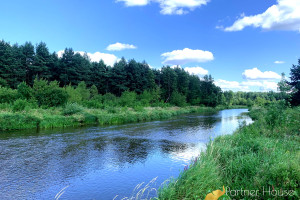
[(252, 83), (279, 62), (169, 7), (263, 86), (256, 74), (196, 71), (135, 2), (180, 57), (268, 86), (119, 47), (285, 15), (108, 59), (231, 85)]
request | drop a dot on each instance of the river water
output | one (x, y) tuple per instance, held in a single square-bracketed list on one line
[(102, 162)]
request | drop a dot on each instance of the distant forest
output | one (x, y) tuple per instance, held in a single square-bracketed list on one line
[(27, 63)]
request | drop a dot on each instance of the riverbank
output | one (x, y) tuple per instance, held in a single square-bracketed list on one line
[(76, 115), (263, 157)]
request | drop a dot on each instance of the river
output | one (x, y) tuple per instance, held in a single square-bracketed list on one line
[(102, 162)]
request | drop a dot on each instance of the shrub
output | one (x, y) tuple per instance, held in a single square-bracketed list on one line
[(109, 99), (19, 105), (25, 91), (7, 95), (178, 99), (128, 99), (93, 103), (83, 91), (49, 94), (71, 109), (93, 91)]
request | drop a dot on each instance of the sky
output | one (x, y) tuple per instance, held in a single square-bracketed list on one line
[(245, 45)]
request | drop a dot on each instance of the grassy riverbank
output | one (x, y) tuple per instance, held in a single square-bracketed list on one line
[(264, 155), (76, 115)]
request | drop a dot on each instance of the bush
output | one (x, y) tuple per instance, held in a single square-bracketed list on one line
[(109, 99), (73, 94), (93, 91), (178, 99), (94, 103), (49, 94), (83, 91), (19, 105), (25, 91), (71, 109), (7, 95), (128, 99)]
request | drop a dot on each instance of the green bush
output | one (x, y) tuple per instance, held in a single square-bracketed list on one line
[(93, 104), (128, 99), (93, 91), (49, 94), (109, 99), (19, 105), (73, 94), (25, 91), (83, 91), (71, 109), (7, 95), (178, 99)]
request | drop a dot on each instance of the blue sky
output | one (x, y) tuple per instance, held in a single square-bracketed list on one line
[(236, 41)]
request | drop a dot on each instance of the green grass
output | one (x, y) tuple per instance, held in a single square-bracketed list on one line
[(76, 115), (263, 154)]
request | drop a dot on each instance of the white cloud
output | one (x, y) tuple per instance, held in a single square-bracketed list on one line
[(135, 2), (180, 57), (263, 86), (251, 83), (119, 47), (231, 85), (279, 62), (108, 59), (285, 15), (256, 74), (169, 7), (268, 86), (196, 71)]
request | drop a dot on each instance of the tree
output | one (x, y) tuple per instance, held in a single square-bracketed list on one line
[(295, 84), (168, 82), (284, 88)]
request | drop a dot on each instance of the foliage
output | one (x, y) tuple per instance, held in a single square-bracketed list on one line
[(7, 95), (19, 105), (71, 109), (128, 99), (25, 91), (178, 99), (49, 94), (295, 84)]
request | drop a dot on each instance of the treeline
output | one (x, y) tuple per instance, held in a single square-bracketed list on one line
[(230, 98), (34, 68), (27, 63)]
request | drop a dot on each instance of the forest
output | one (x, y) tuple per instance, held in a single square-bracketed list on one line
[(28, 69)]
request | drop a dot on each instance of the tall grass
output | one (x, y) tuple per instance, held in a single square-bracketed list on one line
[(77, 115), (260, 156)]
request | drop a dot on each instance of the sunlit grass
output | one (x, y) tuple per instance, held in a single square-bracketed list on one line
[(263, 154), (77, 115)]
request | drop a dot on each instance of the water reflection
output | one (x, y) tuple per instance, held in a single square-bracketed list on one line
[(100, 162)]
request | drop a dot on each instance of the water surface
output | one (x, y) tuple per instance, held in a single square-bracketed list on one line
[(102, 162)]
